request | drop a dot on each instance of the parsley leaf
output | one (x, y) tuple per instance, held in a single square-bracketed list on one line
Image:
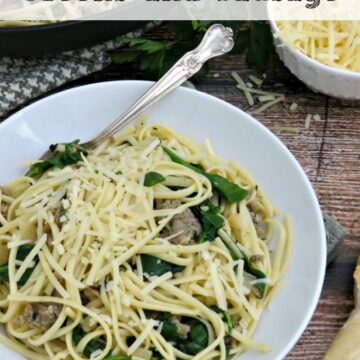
[(64, 154), (156, 57), (211, 222), (152, 178), (260, 46), (149, 46), (126, 56)]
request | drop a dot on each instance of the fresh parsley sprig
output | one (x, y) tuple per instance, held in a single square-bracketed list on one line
[(156, 57)]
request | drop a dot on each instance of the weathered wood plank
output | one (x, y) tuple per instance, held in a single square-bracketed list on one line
[(329, 151)]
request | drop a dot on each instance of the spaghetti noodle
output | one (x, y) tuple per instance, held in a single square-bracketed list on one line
[(134, 252)]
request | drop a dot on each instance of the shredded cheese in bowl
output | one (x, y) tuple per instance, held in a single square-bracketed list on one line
[(333, 43)]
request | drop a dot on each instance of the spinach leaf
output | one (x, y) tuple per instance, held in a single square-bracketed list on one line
[(227, 341), (196, 339), (169, 330), (92, 345), (64, 154), (211, 222), (23, 252), (4, 273), (225, 316), (153, 266), (156, 355), (152, 178), (228, 190), (236, 254)]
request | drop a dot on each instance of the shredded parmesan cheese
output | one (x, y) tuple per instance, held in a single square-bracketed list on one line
[(268, 98), (264, 98), (244, 88), (156, 282), (307, 121), (258, 82), (333, 43), (141, 338), (218, 287), (17, 243), (95, 354), (269, 104), (293, 106), (60, 249)]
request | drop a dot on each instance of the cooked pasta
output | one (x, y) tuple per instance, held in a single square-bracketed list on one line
[(149, 247)]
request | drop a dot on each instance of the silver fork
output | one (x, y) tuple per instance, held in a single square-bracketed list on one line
[(218, 40)]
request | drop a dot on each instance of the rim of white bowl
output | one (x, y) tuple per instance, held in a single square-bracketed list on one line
[(322, 265), (353, 75)]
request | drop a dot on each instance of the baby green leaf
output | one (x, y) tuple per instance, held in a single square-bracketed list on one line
[(226, 317), (196, 340), (211, 222), (236, 254), (92, 346), (23, 252), (64, 154), (153, 178), (153, 266)]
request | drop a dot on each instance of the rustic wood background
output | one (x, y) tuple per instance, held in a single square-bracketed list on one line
[(329, 151)]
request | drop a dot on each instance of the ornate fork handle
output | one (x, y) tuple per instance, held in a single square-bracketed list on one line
[(218, 40)]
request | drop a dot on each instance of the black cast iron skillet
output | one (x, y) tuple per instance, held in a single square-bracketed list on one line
[(38, 40)]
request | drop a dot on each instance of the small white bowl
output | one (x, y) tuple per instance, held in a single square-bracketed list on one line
[(321, 78)]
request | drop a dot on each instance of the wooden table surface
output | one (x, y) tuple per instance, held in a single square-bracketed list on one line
[(329, 151)]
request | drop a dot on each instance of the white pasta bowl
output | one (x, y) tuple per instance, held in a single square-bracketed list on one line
[(82, 112), (321, 78)]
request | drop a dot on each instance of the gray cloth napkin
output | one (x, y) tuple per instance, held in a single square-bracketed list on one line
[(335, 235), (24, 79)]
